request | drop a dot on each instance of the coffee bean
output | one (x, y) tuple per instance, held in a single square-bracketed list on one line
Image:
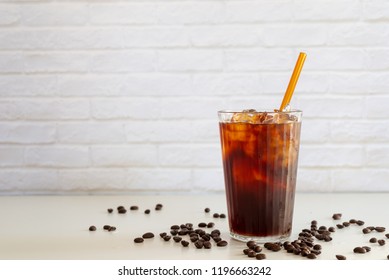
[(216, 215), (184, 243), (360, 223), (174, 232), (366, 230), (246, 251), (251, 254), (177, 238), (175, 227), (148, 235), (106, 227), (352, 221), (183, 231), (199, 244), (194, 238), (167, 237), (222, 243), (158, 206), (92, 228), (215, 232), (202, 225), (380, 229), (122, 211), (260, 256), (337, 216), (317, 247), (134, 207), (217, 239), (207, 245), (331, 229), (112, 229), (340, 257), (222, 216), (251, 243), (257, 249), (189, 225), (147, 211), (163, 234), (359, 250), (387, 235), (110, 210), (367, 248), (138, 240), (313, 222), (311, 256), (120, 207), (373, 240), (340, 226), (381, 242), (206, 210), (387, 257), (346, 224), (210, 225)]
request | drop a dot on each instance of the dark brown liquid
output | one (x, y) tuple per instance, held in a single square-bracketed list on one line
[(260, 168)]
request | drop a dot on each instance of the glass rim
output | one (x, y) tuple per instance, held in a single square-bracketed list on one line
[(226, 111)]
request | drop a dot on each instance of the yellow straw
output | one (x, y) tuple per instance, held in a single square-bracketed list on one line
[(293, 80)]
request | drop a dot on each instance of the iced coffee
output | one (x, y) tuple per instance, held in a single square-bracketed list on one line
[(260, 155)]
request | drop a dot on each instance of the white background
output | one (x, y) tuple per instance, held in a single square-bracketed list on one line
[(121, 96)]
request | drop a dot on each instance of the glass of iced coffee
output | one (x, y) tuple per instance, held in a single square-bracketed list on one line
[(260, 154)]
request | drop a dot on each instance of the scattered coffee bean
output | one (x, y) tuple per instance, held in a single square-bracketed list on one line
[(110, 210), (331, 229), (317, 247), (120, 207), (387, 235), (194, 238), (134, 207), (210, 225), (138, 240), (163, 234), (381, 242), (251, 254), (202, 225), (337, 216), (367, 248), (246, 251), (380, 229), (122, 211), (147, 211), (106, 227), (311, 256), (340, 257), (207, 245), (359, 250), (222, 243), (352, 221), (346, 224), (366, 230), (360, 223), (260, 256), (206, 210), (177, 238), (167, 237), (199, 244), (92, 228), (148, 235), (373, 240), (174, 232), (158, 206), (216, 215), (257, 249), (184, 243), (251, 243), (340, 226), (112, 229), (222, 216)]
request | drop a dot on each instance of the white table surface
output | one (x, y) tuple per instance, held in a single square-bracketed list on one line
[(56, 227)]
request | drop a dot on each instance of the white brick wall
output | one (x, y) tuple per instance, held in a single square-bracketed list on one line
[(118, 96)]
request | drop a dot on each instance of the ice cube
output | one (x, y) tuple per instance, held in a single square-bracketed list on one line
[(248, 116)]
